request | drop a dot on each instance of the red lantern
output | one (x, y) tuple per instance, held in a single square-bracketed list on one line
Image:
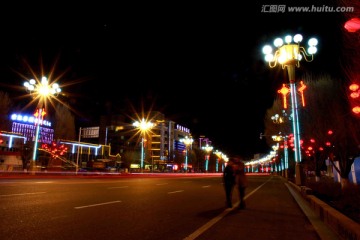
[(352, 25)]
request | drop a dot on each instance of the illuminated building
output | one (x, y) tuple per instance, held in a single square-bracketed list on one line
[(24, 124), (163, 146)]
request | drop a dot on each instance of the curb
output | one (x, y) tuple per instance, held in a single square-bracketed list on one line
[(345, 227)]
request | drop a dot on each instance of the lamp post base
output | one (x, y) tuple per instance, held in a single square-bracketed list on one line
[(32, 167), (299, 174)]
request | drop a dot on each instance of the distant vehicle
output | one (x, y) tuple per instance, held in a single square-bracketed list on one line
[(101, 165)]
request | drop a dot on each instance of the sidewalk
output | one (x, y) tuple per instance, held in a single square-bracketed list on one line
[(275, 210)]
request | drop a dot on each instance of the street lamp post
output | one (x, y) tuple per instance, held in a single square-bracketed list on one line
[(277, 119), (285, 165), (219, 155), (187, 141), (208, 150), (276, 168), (143, 126), (289, 55), (41, 91), (224, 159), (39, 117)]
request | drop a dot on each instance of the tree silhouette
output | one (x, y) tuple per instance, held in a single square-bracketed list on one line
[(5, 107), (64, 123)]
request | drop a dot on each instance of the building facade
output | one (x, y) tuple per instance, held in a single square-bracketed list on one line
[(162, 143), (11, 150)]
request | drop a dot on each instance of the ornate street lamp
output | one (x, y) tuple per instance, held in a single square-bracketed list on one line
[(143, 126), (277, 119), (222, 158), (218, 154), (187, 141), (41, 91), (208, 150), (289, 55), (276, 155)]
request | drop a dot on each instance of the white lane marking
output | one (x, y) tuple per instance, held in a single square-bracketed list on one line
[(98, 204), (159, 184), (21, 194), (175, 191), (118, 187), (206, 186), (45, 182), (209, 224)]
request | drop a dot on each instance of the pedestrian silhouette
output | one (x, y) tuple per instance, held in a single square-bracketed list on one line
[(229, 182), (241, 180)]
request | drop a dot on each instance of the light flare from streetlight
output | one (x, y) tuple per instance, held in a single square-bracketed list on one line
[(143, 127), (43, 91)]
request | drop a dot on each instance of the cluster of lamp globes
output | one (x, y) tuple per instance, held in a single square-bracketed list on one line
[(42, 88), (289, 49)]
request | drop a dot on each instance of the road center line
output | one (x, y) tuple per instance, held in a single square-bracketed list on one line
[(175, 191), (98, 204), (22, 194)]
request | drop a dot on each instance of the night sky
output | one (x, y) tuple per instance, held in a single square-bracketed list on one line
[(202, 66)]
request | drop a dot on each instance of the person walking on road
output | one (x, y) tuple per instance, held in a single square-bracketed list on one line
[(229, 182), (241, 181)]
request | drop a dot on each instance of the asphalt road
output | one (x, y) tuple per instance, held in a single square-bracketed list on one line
[(139, 207)]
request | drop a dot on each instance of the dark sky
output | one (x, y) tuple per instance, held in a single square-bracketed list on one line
[(200, 65)]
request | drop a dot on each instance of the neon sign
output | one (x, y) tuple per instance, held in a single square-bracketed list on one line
[(30, 119)]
